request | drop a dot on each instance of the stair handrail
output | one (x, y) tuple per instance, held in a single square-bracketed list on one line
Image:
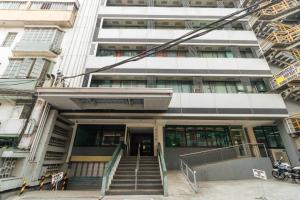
[(163, 169), (112, 164), (137, 167)]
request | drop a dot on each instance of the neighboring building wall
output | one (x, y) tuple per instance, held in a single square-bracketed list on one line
[(43, 29)]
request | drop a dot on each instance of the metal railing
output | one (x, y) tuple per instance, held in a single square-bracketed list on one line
[(137, 167), (189, 173), (191, 161), (163, 169), (111, 168)]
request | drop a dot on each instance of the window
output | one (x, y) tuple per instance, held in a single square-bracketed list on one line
[(9, 39), (260, 87), (40, 38), (268, 135), (26, 68), (8, 142), (177, 85), (51, 6), (38, 35), (98, 135), (12, 5), (222, 87), (197, 136)]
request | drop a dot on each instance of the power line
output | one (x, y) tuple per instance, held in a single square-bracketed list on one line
[(183, 38)]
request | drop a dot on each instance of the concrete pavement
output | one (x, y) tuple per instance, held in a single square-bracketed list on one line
[(180, 190)]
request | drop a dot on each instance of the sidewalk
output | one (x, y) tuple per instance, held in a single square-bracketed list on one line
[(180, 190)]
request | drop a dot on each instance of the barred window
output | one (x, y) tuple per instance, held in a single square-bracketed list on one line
[(9, 39), (51, 6), (11, 5), (26, 68), (38, 35), (13, 68)]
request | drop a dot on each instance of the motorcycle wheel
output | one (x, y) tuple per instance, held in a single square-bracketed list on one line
[(278, 176), (297, 180)]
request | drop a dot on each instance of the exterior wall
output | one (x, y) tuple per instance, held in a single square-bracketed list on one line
[(78, 42), (6, 51), (186, 66), (289, 143), (238, 169)]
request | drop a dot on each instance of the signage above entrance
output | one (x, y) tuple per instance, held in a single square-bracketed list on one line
[(107, 98)]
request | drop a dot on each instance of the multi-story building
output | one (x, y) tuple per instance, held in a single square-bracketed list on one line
[(206, 93), (278, 30), (32, 36)]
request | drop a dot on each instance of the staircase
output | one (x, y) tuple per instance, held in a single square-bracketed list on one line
[(148, 179), (84, 183)]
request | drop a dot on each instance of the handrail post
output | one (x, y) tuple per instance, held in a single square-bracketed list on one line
[(163, 169), (137, 165)]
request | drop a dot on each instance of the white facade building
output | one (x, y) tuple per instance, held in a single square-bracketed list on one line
[(209, 92)]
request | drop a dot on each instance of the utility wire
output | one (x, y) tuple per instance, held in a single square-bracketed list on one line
[(255, 8)]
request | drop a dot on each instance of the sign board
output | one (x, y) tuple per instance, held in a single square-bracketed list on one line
[(57, 177), (259, 174)]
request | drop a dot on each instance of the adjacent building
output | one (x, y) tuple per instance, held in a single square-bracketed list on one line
[(278, 31), (33, 35)]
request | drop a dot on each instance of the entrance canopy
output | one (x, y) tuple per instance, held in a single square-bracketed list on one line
[(107, 98)]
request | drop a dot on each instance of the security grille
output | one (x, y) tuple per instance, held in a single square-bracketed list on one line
[(51, 6), (9, 39), (12, 5), (8, 165)]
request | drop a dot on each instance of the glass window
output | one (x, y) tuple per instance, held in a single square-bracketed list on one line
[(98, 135), (269, 135), (200, 137), (260, 87), (9, 39), (197, 136), (220, 87), (175, 137), (12, 5), (229, 54), (231, 87)]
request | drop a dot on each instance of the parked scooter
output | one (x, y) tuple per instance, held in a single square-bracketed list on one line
[(283, 171)]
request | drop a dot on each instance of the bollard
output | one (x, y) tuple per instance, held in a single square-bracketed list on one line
[(53, 187), (23, 187), (65, 181), (42, 181)]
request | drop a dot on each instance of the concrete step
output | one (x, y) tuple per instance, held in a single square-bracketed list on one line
[(85, 183), (132, 173), (140, 169), (132, 181), (135, 192), (140, 164), (126, 186)]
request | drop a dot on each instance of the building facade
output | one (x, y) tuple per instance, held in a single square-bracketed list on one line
[(32, 37), (206, 93)]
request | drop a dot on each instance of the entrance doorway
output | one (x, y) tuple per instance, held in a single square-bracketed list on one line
[(142, 136)]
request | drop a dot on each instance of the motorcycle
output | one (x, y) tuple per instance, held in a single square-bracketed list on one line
[(294, 174), (281, 169)]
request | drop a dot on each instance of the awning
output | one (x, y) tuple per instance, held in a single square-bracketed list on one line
[(107, 98)]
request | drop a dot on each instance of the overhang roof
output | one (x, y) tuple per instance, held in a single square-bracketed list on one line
[(107, 98)]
